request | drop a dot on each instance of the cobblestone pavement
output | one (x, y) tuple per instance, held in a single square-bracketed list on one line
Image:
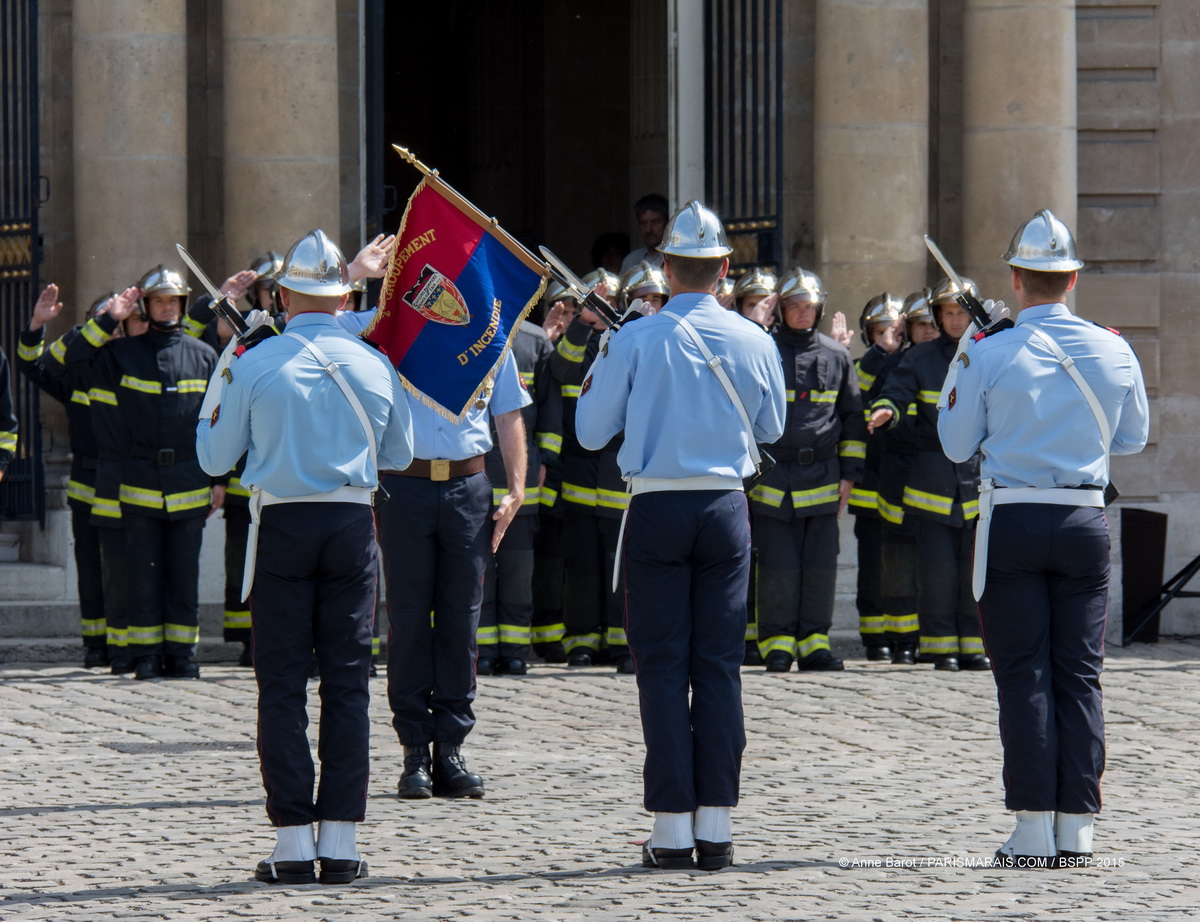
[(132, 800)]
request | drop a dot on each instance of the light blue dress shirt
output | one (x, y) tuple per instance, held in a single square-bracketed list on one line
[(300, 432), (1020, 407), (678, 420)]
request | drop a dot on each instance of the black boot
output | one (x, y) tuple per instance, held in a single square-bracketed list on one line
[(904, 654), (416, 782), (180, 667), (450, 775), (95, 658), (148, 667)]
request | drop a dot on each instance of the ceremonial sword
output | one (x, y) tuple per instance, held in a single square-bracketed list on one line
[(579, 291), (221, 305), (962, 294)]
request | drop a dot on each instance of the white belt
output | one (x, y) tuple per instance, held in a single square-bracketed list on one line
[(990, 496), (260, 498)]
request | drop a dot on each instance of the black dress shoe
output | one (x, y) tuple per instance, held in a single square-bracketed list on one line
[(752, 657), (95, 658), (946, 662), (121, 664), (778, 661), (416, 782), (667, 859), (485, 665), (712, 856), (148, 667), (285, 872), (450, 775), (819, 661), (514, 665), (341, 870), (904, 655), (625, 666), (879, 654), (180, 667), (579, 659), (246, 659), (974, 662)]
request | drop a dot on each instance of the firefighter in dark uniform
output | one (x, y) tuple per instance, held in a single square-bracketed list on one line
[(1047, 402), (795, 510), (941, 496), (165, 497), (506, 617), (46, 368), (8, 417), (586, 592), (881, 326)]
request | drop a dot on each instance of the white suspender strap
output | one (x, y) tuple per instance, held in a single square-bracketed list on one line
[(1089, 395)]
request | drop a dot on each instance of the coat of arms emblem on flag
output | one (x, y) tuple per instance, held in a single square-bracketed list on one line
[(455, 291)]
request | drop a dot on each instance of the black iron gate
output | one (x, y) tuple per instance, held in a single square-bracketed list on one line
[(22, 493), (744, 126)]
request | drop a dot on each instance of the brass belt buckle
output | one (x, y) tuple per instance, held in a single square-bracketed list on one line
[(439, 470)]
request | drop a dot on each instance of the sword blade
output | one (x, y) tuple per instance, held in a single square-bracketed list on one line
[(944, 263), (221, 305), (579, 290), (961, 293)]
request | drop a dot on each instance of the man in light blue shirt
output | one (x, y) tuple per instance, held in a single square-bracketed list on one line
[(1046, 402), (687, 536), (317, 413)]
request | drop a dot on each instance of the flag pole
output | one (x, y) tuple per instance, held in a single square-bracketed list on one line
[(469, 209)]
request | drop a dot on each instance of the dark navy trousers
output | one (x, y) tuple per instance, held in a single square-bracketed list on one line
[(1043, 612), (314, 590), (435, 537), (686, 565)]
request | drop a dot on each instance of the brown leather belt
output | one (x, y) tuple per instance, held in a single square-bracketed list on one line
[(440, 470)]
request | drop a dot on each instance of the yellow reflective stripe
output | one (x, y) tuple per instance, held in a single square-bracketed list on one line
[(930, 502), (136, 496), (811, 644), (192, 386), (531, 496), (547, 496), (791, 395), (374, 640), (181, 633), (970, 509), (870, 624), (236, 620), (193, 327), (94, 333), (890, 513), (865, 381), (815, 497), (515, 633), (487, 636), (581, 496), (142, 385), (235, 488), (58, 350), (548, 633), (80, 397), (823, 396), (970, 645), (93, 627), (192, 499), (884, 404), (139, 636), (778, 642), (912, 409), (928, 396), (751, 631), (768, 496), (864, 499), (570, 390), (569, 351), (81, 492), (901, 624), (586, 641), (527, 378), (28, 353), (100, 395), (548, 441), (107, 508), (612, 499), (616, 637), (852, 448), (939, 646), (116, 636), (8, 441)]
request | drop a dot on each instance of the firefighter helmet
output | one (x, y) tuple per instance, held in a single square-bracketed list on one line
[(1043, 244), (884, 308), (640, 280), (315, 266), (695, 232)]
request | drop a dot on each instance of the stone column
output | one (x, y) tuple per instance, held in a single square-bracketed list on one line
[(130, 119), (1019, 121), (281, 126), (871, 149)]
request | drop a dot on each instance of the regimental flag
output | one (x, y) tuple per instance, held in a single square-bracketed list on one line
[(456, 290)]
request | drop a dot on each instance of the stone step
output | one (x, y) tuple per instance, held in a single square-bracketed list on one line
[(36, 582), (70, 650), (61, 619)]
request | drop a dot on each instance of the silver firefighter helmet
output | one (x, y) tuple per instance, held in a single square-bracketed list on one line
[(695, 232), (163, 281), (315, 266), (266, 266), (724, 287), (916, 307), (755, 282), (884, 308), (556, 291), (944, 292), (610, 281), (800, 283), (641, 280), (1044, 244)]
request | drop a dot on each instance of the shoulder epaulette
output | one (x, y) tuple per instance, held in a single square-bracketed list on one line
[(1110, 329), (998, 327)]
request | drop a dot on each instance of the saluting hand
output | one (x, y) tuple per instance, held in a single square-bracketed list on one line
[(838, 330), (371, 262), (124, 304), (238, 284), (46, 308)]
